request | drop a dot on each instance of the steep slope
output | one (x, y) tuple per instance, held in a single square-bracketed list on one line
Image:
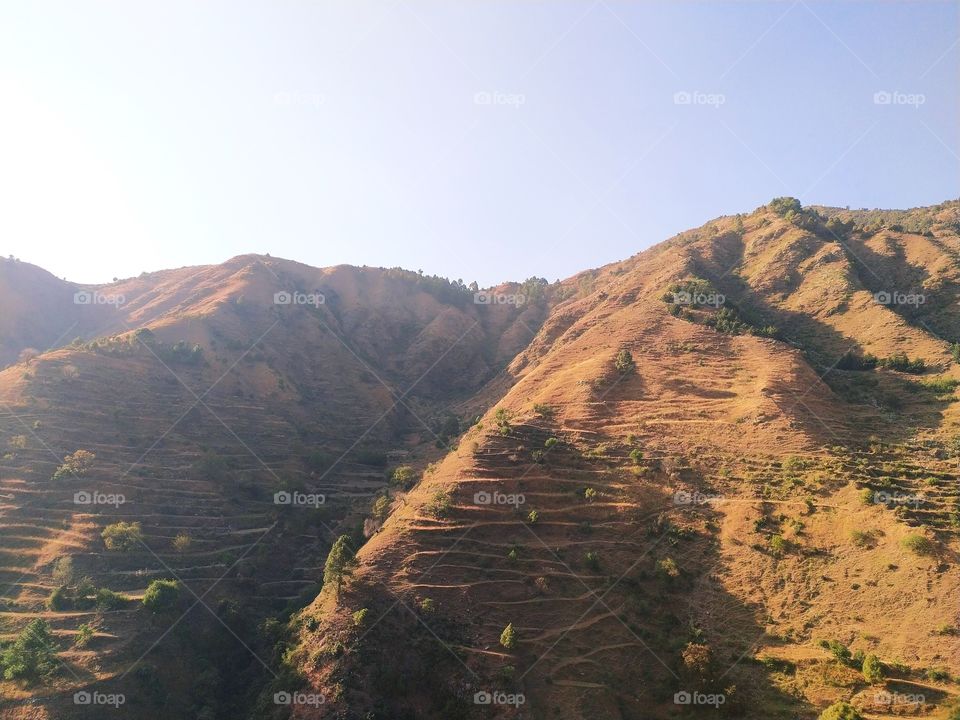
[(768, 466), (205, 393)]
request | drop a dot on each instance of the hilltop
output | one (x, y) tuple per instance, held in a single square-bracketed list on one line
[(725, 465)]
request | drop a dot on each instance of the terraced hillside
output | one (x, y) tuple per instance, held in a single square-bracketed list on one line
[(723, 481), (236, 436)]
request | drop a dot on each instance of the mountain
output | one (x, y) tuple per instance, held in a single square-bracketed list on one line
[(719, 471), (760, 479)]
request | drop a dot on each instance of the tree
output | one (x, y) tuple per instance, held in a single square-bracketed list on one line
[(872, 669), (161, 595), (75, 464), (624, 362), (508, 638), (340, 562), (841, 711), (84, 636), (63, 570), (381, 508), (122, 536), (32, 655), (182, 542)]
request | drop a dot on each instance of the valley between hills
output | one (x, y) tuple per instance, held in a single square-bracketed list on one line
[(716, 479)]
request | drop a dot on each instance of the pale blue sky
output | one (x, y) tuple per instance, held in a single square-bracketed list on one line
[(136, 136)]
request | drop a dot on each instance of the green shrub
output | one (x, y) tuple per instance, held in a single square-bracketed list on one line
[(592, 560), (76, 464), (59, 599), (404, 476), (381, 508), (508, 638), (360, 617), (783, 205), (532, 517), (544, 411), (778, 546), (861, 538), (33, 655), (502, 418), (841, 711), (84, 636), (636, 456), (919, 545), (161, 596), (122, 536), (902, 363), (667, 568), (107, 599), (872, 669), (590, 494), (551, 442), (440, 504), (624, 363), (340, 563)]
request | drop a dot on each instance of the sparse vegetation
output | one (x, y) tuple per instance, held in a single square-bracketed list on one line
[(122, 536), (841, 711), (75, 465), (919, 545), (162, 596), (508, 638), (340, 563), (33, 654), (624, 362)]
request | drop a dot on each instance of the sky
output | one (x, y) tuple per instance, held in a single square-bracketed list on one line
[(485, 140)]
